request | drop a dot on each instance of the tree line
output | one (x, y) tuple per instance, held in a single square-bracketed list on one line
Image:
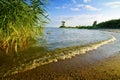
[(111, 24)]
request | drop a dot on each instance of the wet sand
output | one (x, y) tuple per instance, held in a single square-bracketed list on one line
[(107, 69), (112, 30), (100, 64)]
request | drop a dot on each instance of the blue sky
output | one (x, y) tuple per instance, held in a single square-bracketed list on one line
[(82, 12)]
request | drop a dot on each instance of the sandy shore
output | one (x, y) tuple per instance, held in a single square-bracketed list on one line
[(112, 30), (108, 69), (100, 64)]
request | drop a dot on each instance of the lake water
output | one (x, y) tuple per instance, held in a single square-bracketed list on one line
[(61, 37)]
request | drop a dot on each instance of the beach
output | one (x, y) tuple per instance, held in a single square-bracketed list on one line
[(59, 40), (99, 64)]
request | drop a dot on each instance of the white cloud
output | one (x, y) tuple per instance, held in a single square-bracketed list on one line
[(80, 5), (66, 17), (85, 1), (75, 9), (82, 19), (85, 19), (113, 4), (74, 1), (89, 7), (62, 7)]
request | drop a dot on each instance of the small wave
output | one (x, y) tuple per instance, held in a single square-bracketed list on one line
[(59, 54)]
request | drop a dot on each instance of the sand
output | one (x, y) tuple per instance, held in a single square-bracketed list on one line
[(108, 69), (98, 64)]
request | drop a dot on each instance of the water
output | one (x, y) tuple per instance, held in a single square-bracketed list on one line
[(61, 37), (54, 38)]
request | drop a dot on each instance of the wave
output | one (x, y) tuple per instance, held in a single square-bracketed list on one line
[(58, 54)]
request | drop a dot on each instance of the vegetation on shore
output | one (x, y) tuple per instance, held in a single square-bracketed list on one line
[(111, 24), (63, 24), (20, 22)]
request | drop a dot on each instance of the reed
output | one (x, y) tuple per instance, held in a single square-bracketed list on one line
[(21, 21)]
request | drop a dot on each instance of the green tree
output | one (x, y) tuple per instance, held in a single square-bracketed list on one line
[(63, 24), (94, 24), (20, 22), (110, 24)]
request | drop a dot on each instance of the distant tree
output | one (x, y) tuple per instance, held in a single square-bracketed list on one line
[(63, 24), (94, 24)]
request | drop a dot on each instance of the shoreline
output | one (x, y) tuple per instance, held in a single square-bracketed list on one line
[(60, 54), (76, 68), (79, 67)]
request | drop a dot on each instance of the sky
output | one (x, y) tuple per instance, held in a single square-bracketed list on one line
[(81, 12)]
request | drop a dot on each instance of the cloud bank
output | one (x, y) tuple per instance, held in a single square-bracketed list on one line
[(85, 1), (113, 4), (85, 19)]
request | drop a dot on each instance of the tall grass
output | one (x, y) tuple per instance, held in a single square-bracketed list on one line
[(20, 22)]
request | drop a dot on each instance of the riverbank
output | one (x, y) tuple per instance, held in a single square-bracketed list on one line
[(82, 67)]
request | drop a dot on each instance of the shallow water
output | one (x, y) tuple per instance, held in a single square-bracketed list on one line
[(53, 38)]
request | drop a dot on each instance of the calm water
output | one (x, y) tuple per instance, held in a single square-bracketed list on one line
[(60, 37), (53, 38)]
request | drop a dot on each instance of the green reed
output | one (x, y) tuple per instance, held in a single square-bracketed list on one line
[(20, 22)]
